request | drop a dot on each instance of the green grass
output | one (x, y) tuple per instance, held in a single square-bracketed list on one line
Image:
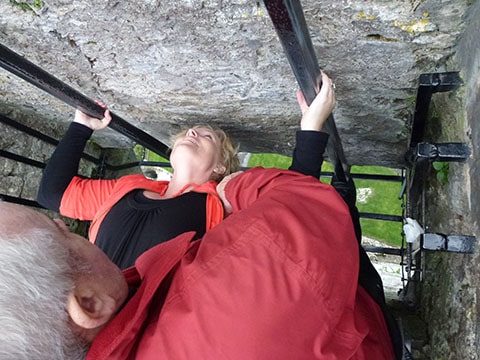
[(270, 161), (383, 199)]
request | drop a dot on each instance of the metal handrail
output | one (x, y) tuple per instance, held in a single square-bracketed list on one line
[(289, 22), (37, 134), (33, 74)]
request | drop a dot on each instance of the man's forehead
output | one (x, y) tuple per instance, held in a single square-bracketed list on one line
[(8, 210), (7, 207), (16, 217)]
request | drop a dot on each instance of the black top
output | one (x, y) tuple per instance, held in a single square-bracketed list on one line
[(136, 223), (307, 156), (153, 221)]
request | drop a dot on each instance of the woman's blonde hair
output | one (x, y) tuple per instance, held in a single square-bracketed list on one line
[(228, 151)]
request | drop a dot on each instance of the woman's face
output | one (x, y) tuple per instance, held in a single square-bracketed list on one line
[(199, 147)]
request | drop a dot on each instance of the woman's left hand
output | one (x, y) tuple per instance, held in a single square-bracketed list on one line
[(315, 115)]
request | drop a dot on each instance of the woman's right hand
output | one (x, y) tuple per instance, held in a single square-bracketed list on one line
[(91, 122)]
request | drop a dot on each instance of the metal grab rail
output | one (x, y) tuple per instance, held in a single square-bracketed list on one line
[(393, 178), (22, 159), (289, 22), (20, 201), (41, 136), (33, 74)]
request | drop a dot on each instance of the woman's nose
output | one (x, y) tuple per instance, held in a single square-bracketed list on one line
[(192, 132)]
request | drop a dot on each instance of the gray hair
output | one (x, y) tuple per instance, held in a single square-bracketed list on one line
[(35, 279)]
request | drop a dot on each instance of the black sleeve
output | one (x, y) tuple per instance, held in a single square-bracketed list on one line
[(308, 153), (62, 166)]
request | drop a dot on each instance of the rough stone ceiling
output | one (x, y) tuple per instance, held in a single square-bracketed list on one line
[(164, 65)]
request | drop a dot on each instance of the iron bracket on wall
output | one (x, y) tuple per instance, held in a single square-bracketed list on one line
[(33, 74), (419, 157), (420, 153), (452, 243), (429, 84), (445, 152)]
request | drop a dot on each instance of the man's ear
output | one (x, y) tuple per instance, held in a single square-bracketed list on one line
[(89, 310)]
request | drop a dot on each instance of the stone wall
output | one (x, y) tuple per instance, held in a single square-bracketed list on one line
[(165, 65), (451, 288)]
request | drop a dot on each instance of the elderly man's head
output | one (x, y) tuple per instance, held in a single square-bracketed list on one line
[(57, 290)]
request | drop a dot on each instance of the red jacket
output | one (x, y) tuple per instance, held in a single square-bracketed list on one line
[(275, 280), (87, 199)]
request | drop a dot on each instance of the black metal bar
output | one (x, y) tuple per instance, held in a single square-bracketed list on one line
[(140, 163), (39, 135), (384, 217), (377, 177), (289, 22), (22, 159), (33, 74), (28, 130), (383, 250), (17, 200)]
